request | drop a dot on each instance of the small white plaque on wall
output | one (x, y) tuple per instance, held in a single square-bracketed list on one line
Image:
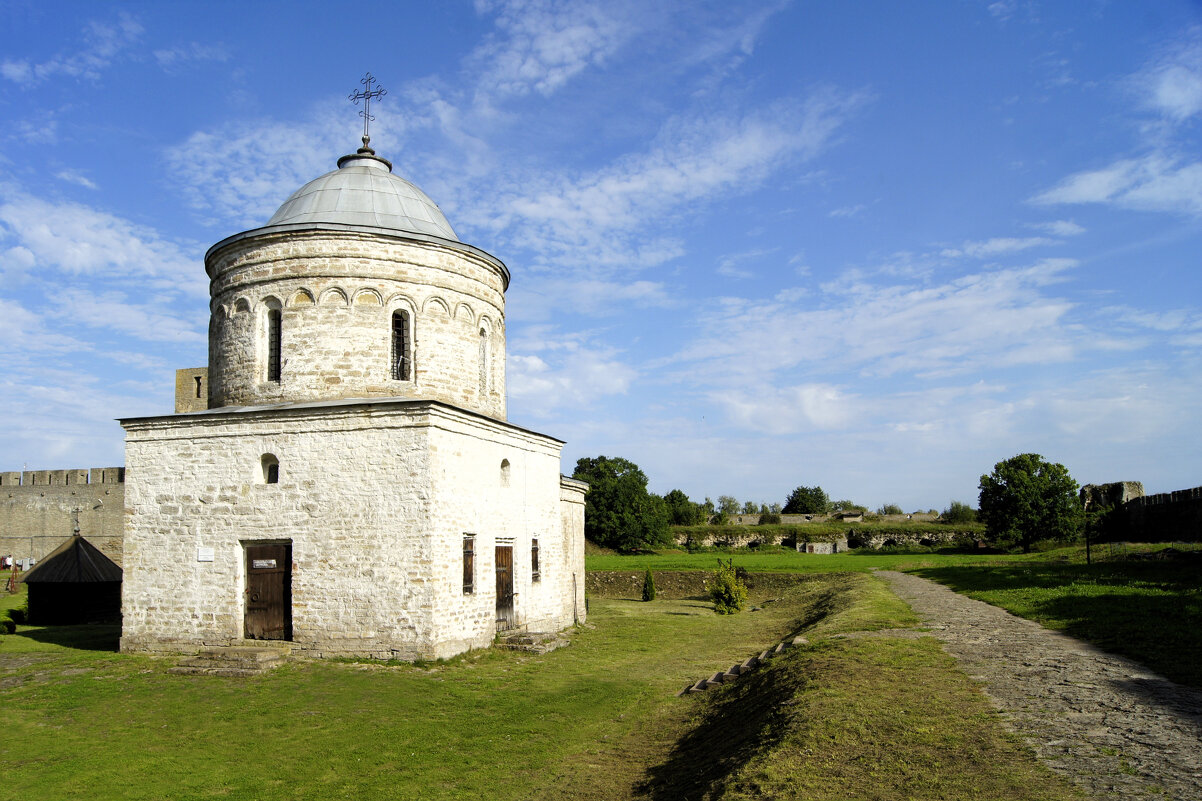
[(204, 554)]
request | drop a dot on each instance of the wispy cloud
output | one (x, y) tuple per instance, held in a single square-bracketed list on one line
[(73, 177), (1155, 182), (543, 45), (996, 246), (173, 58), (103, 42), (566, 371), (1171, 83), (75, 239), (601, 218)]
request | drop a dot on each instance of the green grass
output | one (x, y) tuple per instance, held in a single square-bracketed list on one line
[(591, 721), (1150, 611)]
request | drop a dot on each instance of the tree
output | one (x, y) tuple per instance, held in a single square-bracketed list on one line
[(846, 505), (958, 513), (728, 505), (890, 509), (807, 501), (648, 586), (681, 510), (618, 511), (1026, 499), (726, 589)]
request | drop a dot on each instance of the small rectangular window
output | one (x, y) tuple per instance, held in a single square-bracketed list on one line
[(535, 573), (469, 564)]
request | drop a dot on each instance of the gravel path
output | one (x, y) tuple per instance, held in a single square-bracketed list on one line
[(1108, 724)]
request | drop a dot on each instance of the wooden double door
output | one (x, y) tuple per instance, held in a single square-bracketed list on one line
[(268, 591)]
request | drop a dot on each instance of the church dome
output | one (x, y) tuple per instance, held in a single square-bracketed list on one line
[(364, 192)]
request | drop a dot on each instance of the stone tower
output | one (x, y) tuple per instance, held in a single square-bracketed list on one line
[(357, 287)]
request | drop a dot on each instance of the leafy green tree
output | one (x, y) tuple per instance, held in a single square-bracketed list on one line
[(890, 509), (749, 508), (845, 506), (681, 510), (1026, 499), (958, 512), (807, 501), (728, 505), (618, 511)]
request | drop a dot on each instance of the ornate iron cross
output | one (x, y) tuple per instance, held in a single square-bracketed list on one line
[(366, 95)]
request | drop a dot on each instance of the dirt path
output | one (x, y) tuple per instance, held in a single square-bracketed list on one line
[(1108, 724)]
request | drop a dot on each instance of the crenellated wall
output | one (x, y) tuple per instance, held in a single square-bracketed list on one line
[(1166, 516), (41, 508)]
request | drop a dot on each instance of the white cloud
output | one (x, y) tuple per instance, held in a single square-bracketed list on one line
[(242, 173), (74, 177), (788, 410), (600, 219), (193, 52), (1151, 183), (996, 246), (543, 45), (113, 311), (729, 265), (991, 319), (1171, 84), (1060, 228), (103, 42), (79, 240), (576, 376)]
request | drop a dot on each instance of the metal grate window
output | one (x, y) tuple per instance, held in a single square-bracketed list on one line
[(535, 573), (400, 346), (469, 564)]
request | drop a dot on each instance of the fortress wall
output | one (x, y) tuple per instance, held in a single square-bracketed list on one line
[(41, 508), (1167, 516)]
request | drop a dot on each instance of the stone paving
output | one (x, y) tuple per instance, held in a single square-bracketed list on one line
[(1108, 724)]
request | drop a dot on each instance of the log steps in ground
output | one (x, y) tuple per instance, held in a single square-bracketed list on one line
[(725, 676), (232, 660)]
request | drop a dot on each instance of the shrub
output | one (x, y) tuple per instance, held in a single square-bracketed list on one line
[(768, 519), (726, 590), (890, 509), (648, 586), (7, 625), (958, 513)]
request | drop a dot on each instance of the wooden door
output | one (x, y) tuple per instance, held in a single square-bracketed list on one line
[(269, 591), (504, 587)]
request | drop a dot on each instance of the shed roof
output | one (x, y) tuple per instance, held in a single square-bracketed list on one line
[(76, 561)]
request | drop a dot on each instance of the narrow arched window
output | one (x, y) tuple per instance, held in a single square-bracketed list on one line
[(483, 362), (273, 345), (505, 470), (271, 469), (400, 346)]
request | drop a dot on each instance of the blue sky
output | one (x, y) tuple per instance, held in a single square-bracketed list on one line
[(872, 246)]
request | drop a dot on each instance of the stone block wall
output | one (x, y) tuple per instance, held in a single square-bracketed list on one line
[(1166, 516), (41, 508), (374, 497), (337, 292)]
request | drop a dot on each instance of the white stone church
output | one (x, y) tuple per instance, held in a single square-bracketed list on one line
[(342, 476)]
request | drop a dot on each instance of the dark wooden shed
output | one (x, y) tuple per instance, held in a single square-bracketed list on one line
[(75, 583)]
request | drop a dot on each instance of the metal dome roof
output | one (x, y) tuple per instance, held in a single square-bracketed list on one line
[(364, 192)]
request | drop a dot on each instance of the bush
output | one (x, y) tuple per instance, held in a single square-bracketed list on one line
[(7, 625), (958, 513), (648, 586), (890, 509), (768, 519), (725, 589)]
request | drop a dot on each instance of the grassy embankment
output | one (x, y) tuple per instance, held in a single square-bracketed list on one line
[(1129, 602), (866, 717)]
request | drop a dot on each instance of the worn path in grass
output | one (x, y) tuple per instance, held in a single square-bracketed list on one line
[(1107, 723)]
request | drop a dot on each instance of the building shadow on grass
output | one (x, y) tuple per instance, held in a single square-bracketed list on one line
[(83, 637)]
